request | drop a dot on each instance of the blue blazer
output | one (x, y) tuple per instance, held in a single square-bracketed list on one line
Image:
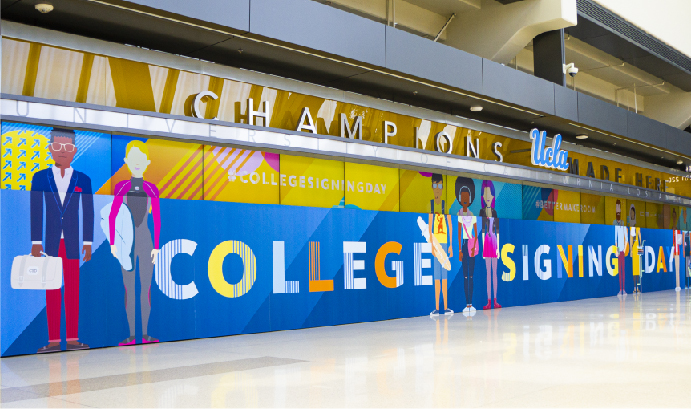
[(61, 218)]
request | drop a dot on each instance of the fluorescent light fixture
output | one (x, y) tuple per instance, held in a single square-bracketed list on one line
[(680, 162), (476, 109), (44, 8), (582, 137)]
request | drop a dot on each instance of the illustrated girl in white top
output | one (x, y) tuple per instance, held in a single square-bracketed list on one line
[(467, 236)]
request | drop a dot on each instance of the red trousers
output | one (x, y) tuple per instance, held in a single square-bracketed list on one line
[(622, 270), (70, 273)]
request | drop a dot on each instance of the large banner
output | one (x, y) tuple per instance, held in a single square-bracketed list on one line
[(231, 268)]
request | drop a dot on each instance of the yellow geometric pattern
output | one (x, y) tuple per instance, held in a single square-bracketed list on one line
[(23, 154), (239, 175), (184, 180), (176, 169)]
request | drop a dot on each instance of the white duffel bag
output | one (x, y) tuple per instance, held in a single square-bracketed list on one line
[(36, 273)]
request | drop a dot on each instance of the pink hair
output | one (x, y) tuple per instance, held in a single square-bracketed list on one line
[(490, 185)]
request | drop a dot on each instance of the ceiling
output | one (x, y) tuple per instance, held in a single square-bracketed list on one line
[(601, 65), (447, 7), (638, 49)]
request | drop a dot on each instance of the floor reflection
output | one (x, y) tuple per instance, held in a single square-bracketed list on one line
[(581, 353)]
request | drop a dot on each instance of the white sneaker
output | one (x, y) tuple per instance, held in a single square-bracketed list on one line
[(448, 312), (677, 289), (466, 309), (472, 309)]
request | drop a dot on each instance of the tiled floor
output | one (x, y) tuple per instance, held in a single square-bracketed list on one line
[(601, 352)]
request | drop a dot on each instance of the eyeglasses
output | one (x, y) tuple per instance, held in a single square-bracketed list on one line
[(68, 147), (437, 186)]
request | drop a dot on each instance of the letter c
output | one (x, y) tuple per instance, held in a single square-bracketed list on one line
[(163, 276), (197, 101)]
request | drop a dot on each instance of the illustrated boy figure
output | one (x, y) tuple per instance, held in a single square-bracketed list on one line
[(621, 240), (61, 188), (441, 228)]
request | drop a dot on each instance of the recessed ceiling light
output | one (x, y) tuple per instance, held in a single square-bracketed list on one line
[(44, 8), (476, 109), (582, 137)]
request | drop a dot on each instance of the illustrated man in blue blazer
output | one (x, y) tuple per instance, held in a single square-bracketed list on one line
[(60, 189)]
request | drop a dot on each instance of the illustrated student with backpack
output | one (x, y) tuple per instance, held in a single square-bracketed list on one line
[(440, 228)]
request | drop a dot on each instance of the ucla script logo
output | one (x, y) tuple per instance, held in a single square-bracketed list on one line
[(549, 157)]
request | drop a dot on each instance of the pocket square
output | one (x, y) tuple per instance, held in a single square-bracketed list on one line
[(78, 189)]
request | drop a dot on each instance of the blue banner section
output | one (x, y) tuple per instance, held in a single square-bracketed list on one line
[(229, 268)]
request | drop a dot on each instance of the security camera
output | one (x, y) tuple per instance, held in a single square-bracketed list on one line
[(570, 69), (44, 8)]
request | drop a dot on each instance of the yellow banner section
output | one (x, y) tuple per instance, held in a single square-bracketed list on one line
[(592, 209), (240, 175), (567, 208), (175, 168), (312, 182), (190, 171), (614, 205), (418, 190), (654, 217), (371, 187), (635, 214), (39, 70)]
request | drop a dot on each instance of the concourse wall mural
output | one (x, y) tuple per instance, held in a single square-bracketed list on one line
[(163, 240)]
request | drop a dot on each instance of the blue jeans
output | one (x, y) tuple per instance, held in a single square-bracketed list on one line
[(439, 272)]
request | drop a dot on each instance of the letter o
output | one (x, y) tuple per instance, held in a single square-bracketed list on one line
[(253, 179), (249, 274), (438, 139)]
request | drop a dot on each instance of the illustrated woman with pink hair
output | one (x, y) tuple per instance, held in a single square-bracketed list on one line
[(139, 196), (490, 239)]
